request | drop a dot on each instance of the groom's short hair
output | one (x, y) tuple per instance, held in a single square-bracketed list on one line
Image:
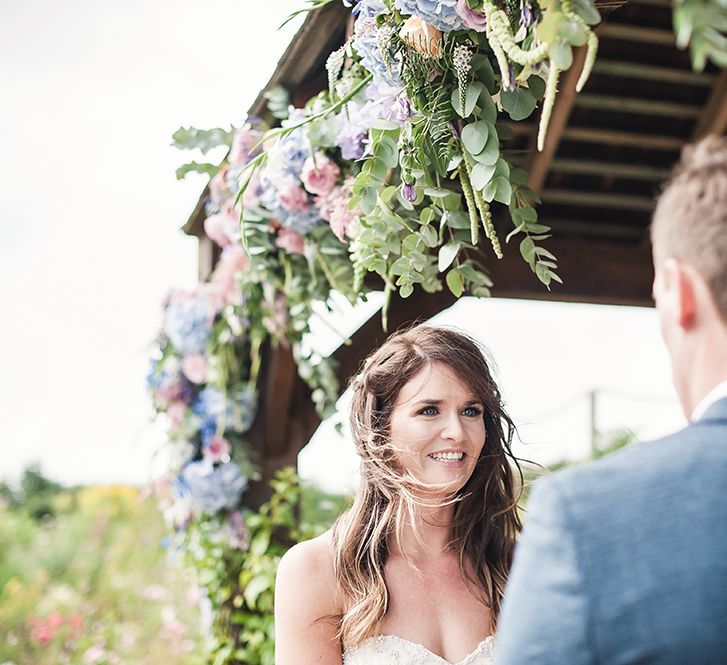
[(690, 220)]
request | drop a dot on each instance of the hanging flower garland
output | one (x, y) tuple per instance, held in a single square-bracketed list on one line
[(414, 114)]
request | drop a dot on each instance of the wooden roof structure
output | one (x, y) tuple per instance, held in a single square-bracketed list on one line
[(608, 150)]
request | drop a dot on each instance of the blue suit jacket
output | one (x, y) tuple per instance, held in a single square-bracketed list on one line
[(625, 560)]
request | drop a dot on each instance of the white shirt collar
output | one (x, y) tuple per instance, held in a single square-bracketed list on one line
[(714, 395)]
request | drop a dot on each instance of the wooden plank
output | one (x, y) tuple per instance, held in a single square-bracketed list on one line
[(638, 106), (637, 33), (615, 137), (635, 70), (598, 199), (713, 120), (540, 161), (614, 169), (205, 258)]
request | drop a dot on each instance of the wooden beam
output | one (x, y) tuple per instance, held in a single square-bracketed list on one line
[(540, 162), (635, 70), (635, 33), (615, 137), (613, 169), (638, 106), (630, 232), (714, 117), (593, 271), (322, 31), (598, 199)]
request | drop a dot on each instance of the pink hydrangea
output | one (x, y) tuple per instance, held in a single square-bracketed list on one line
[(293, 197), (319, 174), (223, 227), (335, 210), (223, 285), (291, 241), (195, 367)]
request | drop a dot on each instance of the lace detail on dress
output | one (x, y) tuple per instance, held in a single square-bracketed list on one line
[(394, 650)]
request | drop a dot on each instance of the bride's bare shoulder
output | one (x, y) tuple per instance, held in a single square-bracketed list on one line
[(306, 625), (307, 569)]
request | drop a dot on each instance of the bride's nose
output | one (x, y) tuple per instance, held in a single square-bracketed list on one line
[(452, 428)]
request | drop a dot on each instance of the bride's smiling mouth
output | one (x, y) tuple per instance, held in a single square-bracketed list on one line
[(448, 457)]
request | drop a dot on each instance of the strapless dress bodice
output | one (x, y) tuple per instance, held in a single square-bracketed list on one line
[(394, 650)]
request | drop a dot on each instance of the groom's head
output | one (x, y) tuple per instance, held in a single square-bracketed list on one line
[(689, 239)]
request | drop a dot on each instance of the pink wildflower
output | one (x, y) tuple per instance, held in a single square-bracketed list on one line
[(243, 143)]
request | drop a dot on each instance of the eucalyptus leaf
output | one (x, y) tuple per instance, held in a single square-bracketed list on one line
[(383, 123), (491, 152), (486, 73), (387, 151), (457, 219), (455, 282), (474, 136), (518, 176), (524, 215), (561, 54), (503, 191), (537, 86), (473, 92), (429, 233), (202, 139), (527, 250), (447, 254), (518, 103), (481, 175), (488, 108), (406, 290), (195, 167)]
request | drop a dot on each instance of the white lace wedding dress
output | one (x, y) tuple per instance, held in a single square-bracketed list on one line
[(393, 650)]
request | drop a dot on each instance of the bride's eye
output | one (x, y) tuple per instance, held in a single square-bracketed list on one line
[(472, 411), (429, 411)]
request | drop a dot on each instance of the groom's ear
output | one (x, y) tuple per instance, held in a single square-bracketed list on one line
[(684, 286)]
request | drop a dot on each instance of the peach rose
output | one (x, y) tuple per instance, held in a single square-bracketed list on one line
[(422, 37), (319, 174)]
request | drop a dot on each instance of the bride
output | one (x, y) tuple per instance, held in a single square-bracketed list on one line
[(413, 573)]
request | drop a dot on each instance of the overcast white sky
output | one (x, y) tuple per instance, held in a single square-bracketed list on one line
[(90, 212)]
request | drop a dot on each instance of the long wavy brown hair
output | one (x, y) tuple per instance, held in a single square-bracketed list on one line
[(486, 521)]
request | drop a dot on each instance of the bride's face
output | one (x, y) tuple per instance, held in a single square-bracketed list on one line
[(437, 427)]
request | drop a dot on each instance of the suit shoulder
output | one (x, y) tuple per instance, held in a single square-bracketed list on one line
[(642, 464)]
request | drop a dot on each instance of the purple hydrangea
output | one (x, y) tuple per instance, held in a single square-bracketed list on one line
[(441, 14), (212, 488)]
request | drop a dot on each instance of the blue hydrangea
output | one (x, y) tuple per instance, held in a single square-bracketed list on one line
[(188, 322), (212, 488), (367, 46), (302, 221), (439, 13), (239, 410)]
